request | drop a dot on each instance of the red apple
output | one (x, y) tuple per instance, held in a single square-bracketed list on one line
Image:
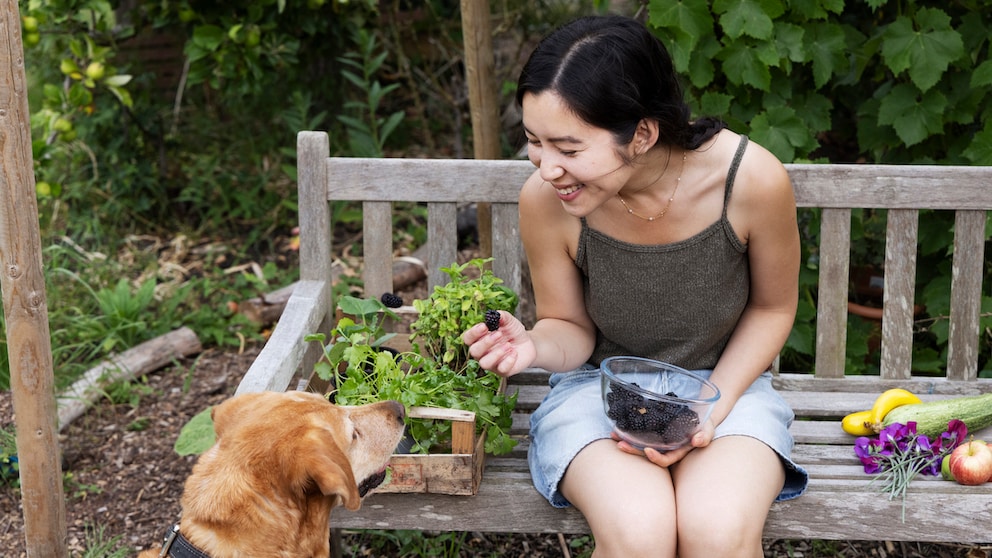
[(971, 463)]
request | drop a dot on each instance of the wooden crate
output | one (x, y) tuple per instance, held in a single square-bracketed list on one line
[(457, 473)]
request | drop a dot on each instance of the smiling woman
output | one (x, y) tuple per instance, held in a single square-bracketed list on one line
[(630, 209)]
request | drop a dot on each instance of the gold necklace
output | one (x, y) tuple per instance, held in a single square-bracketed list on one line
[(664, 210)]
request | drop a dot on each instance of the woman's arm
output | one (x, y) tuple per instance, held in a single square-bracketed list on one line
[(563, 336), (763, 211)]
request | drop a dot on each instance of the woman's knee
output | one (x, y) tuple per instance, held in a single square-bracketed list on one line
[(634, 535), (717, 533)]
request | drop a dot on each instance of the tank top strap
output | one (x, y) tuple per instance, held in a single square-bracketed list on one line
[(732, 173)]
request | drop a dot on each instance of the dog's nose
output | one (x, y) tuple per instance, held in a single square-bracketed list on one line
[(397, 408)]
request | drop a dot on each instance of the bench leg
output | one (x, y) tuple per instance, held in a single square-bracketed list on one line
[(336, 549)]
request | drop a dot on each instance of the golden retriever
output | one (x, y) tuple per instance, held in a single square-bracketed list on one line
[(281, 462)]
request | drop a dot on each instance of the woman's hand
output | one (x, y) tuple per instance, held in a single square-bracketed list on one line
[(505, 351), (699, 440)]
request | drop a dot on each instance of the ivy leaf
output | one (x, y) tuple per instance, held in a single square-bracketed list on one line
[(982, 75), (816, 9), (789, 39), (780, 131), (925, 52), (689, 18), (713, 103), (826, 47), (701, 70), (743, 65), (748, 17), (684, 25), (913, 117), (979, 151)]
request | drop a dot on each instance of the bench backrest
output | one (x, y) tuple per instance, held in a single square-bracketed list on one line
[(902, 190)]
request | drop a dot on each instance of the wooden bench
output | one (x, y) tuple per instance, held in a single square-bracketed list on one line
[(840, 503)]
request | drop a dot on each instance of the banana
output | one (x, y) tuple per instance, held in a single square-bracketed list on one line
[(888, 400), (856, 424)]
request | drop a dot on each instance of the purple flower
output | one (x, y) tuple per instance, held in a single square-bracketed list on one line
[(867, 451), (956, 433), (900, 453)]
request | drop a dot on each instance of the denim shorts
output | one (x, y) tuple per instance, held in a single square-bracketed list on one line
[(572, 416)]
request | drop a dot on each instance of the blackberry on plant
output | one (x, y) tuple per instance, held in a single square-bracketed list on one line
[(390, 300), (492, 319)]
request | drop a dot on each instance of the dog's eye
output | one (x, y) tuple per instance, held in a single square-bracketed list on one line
[(355, 434)]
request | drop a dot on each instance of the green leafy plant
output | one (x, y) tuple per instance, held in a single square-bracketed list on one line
[(99, 544), (454, 307), (367, 132), (362, 369), (8, 457), (887, 80)]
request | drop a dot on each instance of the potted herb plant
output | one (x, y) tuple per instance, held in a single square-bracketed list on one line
[(437, 372)]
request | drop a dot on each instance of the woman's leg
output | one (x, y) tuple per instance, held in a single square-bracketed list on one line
[(723, 494), (628, 501)]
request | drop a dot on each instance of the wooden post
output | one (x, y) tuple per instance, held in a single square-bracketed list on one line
[(25, 307), (482, 98)]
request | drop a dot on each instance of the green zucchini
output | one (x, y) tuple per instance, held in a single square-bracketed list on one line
[(931, 417)]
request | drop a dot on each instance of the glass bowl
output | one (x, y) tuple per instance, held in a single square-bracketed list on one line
[(653, 404)]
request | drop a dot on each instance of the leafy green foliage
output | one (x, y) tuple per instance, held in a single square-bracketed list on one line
[(454, 307), (197, 435), (99, 545), (9, 475), (911, 78), (367, 133), (362, 370)]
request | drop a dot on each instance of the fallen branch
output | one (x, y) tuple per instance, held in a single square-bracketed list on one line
[(266, 309), (141, 359)]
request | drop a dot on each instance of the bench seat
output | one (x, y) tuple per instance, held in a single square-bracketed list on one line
[(841, 503)]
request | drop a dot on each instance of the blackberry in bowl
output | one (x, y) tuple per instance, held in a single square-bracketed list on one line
[(653, 404)]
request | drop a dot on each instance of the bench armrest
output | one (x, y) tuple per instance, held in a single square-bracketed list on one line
[(275, 366)]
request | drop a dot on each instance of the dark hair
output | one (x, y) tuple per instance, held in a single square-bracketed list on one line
[(612, 72)]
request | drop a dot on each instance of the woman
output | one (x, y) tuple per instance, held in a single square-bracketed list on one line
[(650, 235)]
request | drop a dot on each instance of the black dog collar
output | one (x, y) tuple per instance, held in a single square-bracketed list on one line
[(175, 545)]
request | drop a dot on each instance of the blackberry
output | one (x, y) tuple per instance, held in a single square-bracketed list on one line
[(391, 300), (680, 426), (492, 319), (667, 422)]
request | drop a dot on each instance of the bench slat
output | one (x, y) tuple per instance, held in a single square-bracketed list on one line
[(377, 248), (442, 237), (892, 186), (902, 230), (832, 509), (966, 295), (426, 180), (506, 234), (831, 309)]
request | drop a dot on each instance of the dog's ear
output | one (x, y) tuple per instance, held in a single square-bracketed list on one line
[(331, 470), (230, 410)]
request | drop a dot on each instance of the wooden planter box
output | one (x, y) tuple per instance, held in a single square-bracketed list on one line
[(456, 473)]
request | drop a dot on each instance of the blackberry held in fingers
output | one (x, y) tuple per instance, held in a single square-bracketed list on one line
[(492, 319), (391, 300)]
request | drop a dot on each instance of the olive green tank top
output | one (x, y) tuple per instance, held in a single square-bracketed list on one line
[(677, 302)]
